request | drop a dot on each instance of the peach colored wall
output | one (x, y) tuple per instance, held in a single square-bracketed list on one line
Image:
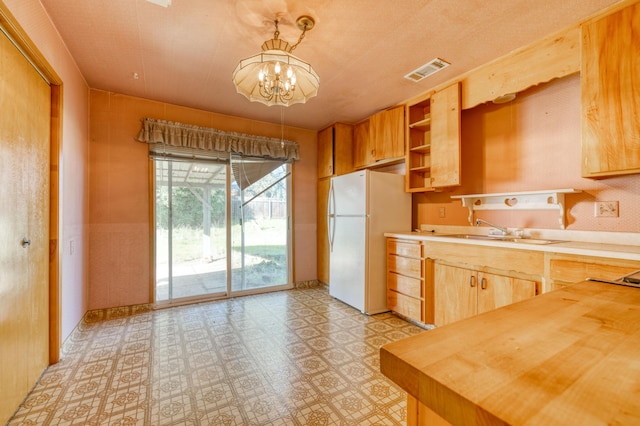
[(532, 143), (74, 160), (119, 187)]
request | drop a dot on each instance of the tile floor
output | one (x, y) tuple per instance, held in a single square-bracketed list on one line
[(294, 357)]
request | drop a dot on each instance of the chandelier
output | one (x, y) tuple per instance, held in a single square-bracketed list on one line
[(275, 76)]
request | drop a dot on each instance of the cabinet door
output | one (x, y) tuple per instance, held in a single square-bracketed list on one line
[(495, 291), (363, 151), (335, 147), (455, 293), (445, 137), (387, 132), (342, 148), (325, 153), (610, 94), (322, 235)]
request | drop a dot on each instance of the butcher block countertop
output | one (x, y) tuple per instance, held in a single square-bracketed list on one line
[(570, 356)]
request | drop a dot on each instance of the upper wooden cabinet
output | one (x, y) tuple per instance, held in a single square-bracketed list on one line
[(363, 151), (335, 150), (611, 94), (433, 141), (387, 133), (379, 139)]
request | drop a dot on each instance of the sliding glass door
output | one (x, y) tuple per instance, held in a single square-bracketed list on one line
[(222, 228), (260, 214), (191, 229)]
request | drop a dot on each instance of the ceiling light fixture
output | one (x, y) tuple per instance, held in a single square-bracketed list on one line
[(275, 76)]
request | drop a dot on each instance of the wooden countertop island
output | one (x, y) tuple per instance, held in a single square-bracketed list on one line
[(567, 357)]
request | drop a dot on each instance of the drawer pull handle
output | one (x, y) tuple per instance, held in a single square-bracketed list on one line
[(472, 281), (483, 283)]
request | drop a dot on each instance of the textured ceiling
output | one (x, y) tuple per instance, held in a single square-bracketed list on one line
[(185, 54)]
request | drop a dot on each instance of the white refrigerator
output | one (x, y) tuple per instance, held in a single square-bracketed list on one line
[(363, 206)]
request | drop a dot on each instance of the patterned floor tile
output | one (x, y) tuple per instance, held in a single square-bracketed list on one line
[(296, 357)]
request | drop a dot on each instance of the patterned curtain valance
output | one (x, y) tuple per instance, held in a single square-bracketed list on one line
[(204, 138)]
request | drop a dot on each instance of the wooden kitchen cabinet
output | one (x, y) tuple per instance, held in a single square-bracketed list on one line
[(567, 269), (363, 150), (406, 278), (379, 140), (387, 133), (433, 141), (461, 293), (322, 236), (610, 94), (335, 147)]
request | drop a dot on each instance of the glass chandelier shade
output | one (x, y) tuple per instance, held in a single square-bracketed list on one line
[(276, 76)]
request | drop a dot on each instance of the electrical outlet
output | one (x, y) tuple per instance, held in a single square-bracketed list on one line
[(606, 209), (442, 212)]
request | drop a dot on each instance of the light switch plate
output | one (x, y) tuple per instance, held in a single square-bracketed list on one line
[(606, 209)]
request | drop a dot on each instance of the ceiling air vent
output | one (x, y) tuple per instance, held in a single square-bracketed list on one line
[(427, 69), (163, 3)]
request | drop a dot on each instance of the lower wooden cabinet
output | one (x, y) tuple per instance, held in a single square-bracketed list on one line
[(460, 293), (567, 269), (406, 278)]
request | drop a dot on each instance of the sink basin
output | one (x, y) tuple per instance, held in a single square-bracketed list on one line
[(505, 238), (477, 237)]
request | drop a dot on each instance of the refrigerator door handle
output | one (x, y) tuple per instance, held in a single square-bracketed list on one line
[(331, 217)]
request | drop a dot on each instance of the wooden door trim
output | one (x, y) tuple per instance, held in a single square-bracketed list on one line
[(10, 26)]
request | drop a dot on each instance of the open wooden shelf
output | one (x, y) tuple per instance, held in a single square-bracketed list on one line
[(552, 199)]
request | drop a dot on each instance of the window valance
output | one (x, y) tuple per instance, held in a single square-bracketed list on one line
[(209, 139)]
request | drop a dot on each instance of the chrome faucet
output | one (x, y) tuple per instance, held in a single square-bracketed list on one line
[(502, 229)]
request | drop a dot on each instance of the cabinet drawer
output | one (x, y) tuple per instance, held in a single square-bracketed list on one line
[(405, 285), (404, 305), (575, 271), (404, 248), (404, 265)]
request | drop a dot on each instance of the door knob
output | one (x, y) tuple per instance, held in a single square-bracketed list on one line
[(25, 242)]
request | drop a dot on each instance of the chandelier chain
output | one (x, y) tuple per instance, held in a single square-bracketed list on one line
[(304, 31)]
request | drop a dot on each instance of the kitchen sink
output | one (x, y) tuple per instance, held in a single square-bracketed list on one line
[(504, 238)]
